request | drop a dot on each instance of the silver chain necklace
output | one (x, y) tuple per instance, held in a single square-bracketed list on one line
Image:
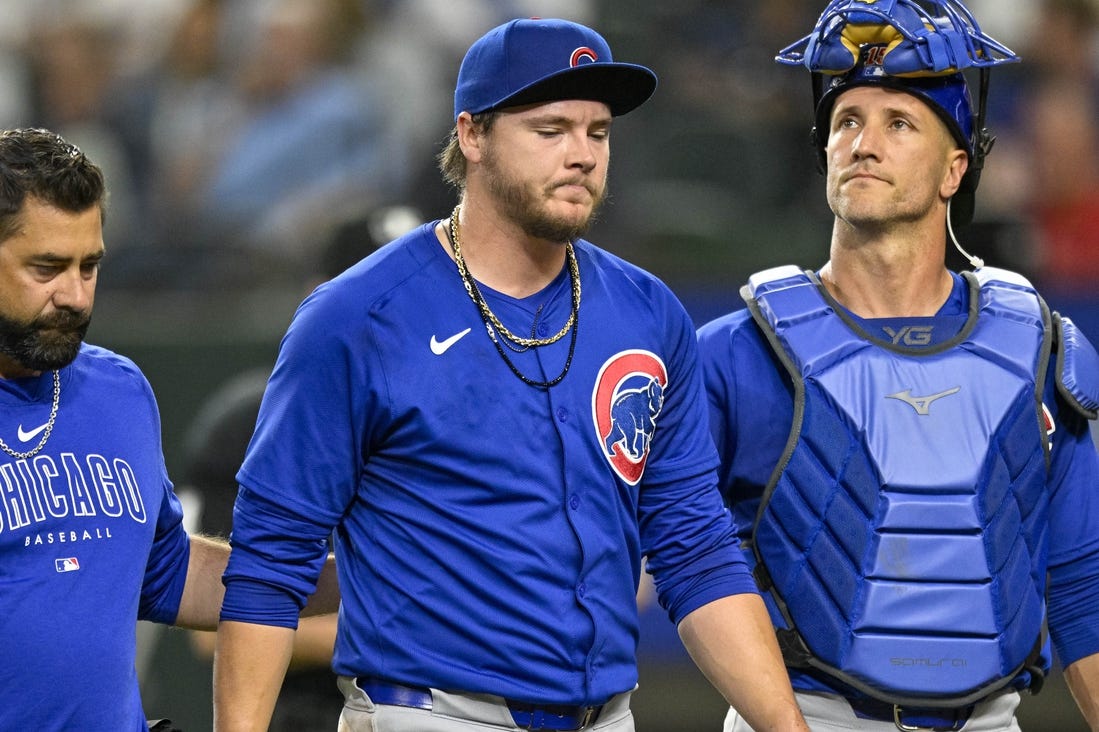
[(49, 425)]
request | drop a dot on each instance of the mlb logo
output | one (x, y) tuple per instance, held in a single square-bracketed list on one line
[(67, 564)]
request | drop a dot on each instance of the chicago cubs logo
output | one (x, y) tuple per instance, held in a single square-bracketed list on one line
[(627, 399), (583, 54)]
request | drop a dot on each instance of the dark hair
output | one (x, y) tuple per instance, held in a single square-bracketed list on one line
[(452, 162), (40, 164)]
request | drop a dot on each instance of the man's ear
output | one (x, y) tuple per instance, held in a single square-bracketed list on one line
[(470, 137), (952, 181)]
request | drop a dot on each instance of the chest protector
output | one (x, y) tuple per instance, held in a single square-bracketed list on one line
[(902, 537)]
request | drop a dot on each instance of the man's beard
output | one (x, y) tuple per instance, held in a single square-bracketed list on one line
[(44, 344), (527, 209)]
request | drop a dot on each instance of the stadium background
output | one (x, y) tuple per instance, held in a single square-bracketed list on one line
[(214, 236)]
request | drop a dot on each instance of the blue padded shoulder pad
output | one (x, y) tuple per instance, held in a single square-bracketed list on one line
[(1077, 368)]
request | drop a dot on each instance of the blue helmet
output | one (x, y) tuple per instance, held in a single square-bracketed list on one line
[(919, 48)]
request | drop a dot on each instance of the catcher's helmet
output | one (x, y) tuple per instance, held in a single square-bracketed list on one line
[(921, 48)]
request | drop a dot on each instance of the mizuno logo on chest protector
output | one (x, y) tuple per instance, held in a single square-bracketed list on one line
[(922, 405)]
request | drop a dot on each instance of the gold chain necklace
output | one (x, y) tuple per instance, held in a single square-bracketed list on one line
[(49, 425), (475, 294), (490, 320)]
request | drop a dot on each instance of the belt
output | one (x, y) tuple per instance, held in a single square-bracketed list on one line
[(911, 718), (526, 716)]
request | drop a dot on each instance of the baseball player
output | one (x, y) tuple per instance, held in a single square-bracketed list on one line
[(90, 532), (906, 448), (498, 419)]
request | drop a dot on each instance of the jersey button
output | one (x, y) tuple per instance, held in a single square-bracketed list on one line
[(543, 330), (581, 589), (562, 415), (574, 502)]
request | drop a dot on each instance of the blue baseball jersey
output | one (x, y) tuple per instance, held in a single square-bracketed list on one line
[(91, 541), (751, 411), (489, 534)]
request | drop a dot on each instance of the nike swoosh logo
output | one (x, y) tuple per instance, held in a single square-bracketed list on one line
[(28, 436), (440, 347)]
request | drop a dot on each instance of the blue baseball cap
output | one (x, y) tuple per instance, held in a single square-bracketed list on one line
[(527, 61)]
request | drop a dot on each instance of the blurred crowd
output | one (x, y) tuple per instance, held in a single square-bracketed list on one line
[(241, 136)]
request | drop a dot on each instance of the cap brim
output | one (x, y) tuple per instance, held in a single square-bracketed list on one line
[(622, 87), (923, 88)]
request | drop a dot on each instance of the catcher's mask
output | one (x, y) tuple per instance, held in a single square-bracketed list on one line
[(921, 48)]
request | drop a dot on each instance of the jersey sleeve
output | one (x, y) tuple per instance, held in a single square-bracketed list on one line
[(715, 355), (166, 569), (301, 468), (166, 572), (688, 536), (1073, 601), (750, 402)]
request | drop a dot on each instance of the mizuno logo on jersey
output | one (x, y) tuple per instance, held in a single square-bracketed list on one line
[(628, 398), (922, 405)]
